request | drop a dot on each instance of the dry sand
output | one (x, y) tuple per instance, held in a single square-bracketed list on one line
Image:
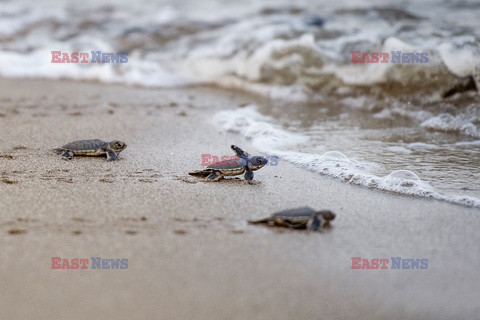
[(190, 253)]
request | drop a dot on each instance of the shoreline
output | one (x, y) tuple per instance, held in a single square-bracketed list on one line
[(191, 253)]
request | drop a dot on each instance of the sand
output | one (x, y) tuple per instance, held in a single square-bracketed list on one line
[(191, 254)]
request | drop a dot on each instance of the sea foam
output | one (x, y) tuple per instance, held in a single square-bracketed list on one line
[(268, 138)]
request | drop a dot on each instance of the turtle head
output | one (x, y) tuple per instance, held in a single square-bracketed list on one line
[(117, 146), (327, 216), (256, 162)]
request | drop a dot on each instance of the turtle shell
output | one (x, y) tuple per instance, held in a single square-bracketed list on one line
[(226, 165), (84, 145), (299, 218), (303, 213)]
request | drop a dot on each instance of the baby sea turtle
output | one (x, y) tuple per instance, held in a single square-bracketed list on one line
[(233, 167), (299, 218), (94, 147)]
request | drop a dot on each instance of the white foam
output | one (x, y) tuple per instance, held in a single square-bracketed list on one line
[(422, 146), (252, 125), (460, 61), (468, 143), (266, 137), (446, 122), (399, 149)]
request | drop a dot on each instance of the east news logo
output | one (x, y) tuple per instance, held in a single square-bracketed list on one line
[(397, 263), (382, 57), (97, 263), (82, 57), (209, 159)]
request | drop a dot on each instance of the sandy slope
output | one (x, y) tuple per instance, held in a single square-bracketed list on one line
[(191, 254)]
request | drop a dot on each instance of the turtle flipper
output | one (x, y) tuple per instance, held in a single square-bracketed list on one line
[(111, 155), (315, 223), (289, 224), (239, 152), (248, 174), (67, 155), (264, 220), (214, 176)]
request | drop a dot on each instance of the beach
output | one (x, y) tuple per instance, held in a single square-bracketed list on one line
[(191, 253)]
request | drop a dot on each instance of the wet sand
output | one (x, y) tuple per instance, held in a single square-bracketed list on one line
[(191, 254)]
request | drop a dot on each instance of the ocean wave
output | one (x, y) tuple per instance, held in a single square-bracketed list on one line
[(466, 123), (267, 138), (281, 55), (256, 127)]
